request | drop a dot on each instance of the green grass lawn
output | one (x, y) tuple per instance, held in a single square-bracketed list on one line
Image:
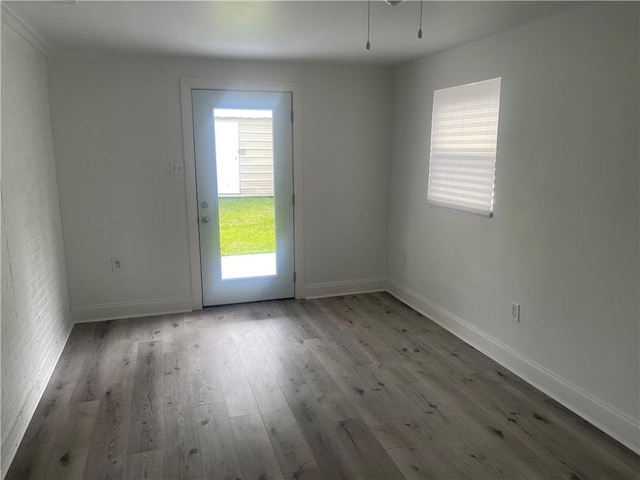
[(247, 225)]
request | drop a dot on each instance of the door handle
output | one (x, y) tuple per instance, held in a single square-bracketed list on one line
[(204, 219)]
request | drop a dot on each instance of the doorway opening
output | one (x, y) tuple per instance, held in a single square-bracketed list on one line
[(244, 182)]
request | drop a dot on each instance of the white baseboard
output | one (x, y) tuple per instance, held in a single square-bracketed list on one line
[(348, 287), (94, 313), (611, 421), (113, 311), (18, 429)]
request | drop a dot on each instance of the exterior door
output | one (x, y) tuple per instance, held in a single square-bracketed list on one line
[(244, 180)]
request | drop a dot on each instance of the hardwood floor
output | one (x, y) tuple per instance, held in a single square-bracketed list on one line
[(346, 387)]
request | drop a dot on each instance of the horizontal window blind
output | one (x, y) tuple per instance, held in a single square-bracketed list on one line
[(464, 136)]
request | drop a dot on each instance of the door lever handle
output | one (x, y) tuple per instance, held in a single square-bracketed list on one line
[(204, 219)]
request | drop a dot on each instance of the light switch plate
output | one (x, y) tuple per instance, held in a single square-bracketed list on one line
[(515, 312)]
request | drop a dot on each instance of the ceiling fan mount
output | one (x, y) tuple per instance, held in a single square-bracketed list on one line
[(393, 3)]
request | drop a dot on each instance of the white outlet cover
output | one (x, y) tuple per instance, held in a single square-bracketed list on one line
[(116, 265)]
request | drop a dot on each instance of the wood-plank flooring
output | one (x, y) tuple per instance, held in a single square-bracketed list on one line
[(359, 386)]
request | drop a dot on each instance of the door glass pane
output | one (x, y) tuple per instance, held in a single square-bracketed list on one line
[(244, 166)]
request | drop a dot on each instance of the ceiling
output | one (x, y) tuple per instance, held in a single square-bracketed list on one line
[(328, 31)]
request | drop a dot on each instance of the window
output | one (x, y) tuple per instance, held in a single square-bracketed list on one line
[(464, 135)]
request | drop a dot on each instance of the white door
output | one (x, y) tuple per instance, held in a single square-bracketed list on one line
[(246, 218)]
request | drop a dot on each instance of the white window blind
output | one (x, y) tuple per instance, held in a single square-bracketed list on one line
[(464, 135)]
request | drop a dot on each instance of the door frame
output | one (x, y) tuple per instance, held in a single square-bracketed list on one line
[(188, 84)]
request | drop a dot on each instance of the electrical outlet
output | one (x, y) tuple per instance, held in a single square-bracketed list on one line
[(515, 312), (116, 265), (177, 169)]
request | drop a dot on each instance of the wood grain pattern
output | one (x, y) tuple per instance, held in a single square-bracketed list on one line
[(71, 448), (359, 386), (32, 456), (143, 465), (288, 442), (256, 454), (182, 456), (145, 422), (107, 449), (217, 444)]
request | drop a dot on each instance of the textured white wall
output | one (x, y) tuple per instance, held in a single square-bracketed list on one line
[(35, 321), (117, 124), (564, 239)]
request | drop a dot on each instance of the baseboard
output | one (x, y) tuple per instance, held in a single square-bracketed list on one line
[(348, 287), (91, 313), (11, 442), (608, 419), (113, 311)]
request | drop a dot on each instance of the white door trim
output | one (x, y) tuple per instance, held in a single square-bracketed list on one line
[(188, 84)]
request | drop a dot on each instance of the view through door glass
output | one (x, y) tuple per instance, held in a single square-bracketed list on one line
[(244, 158), (244, 181)]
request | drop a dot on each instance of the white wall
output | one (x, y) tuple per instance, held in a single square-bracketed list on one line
[(35, 321), (117, 125), (564, 239)]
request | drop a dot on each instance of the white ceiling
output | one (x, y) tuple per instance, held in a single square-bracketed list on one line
[(332, 31)]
